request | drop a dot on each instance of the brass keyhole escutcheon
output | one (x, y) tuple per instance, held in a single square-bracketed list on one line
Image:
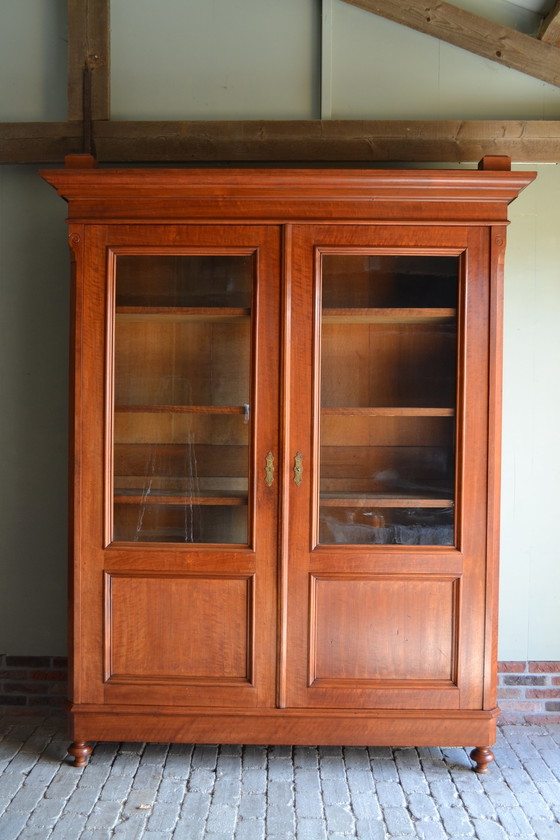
[(298, 469), (269, 469)]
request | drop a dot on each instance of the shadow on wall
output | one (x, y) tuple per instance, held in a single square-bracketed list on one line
[(34, 267)]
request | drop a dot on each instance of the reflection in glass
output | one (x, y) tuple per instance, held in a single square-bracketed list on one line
[(386, 526), (388, 395), (182, 398)]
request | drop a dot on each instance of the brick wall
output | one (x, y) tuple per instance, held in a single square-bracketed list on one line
[(33, 682), (528, 692)]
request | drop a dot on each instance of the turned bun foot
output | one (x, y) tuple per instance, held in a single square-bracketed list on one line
[(482, 757), (81, 752)]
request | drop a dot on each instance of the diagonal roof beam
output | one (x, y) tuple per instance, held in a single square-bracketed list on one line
[(550, 29), (498, 43)]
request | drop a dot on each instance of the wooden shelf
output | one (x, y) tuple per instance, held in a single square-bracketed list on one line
[(388, 316), (210, 314), (180, 409), (385, 411), (138, 498), (385, 500)]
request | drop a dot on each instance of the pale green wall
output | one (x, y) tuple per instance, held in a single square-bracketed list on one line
[(181, 59), (187, 65), (32, 60), (530, 579)]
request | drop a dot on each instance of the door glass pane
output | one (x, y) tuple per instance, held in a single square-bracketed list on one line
[(388, 399), (182, 384)]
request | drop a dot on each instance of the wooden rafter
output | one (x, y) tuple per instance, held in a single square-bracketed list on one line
[(361, 141), (550, 29), (513, 49)]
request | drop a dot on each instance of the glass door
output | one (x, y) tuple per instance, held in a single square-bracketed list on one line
[(189, 434), (387, 501), (182, 397), (388, 399)]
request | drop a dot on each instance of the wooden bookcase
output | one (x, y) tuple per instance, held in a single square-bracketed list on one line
[(286, 454)]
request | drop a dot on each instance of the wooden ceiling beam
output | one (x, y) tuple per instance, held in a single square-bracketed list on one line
[(39, 142), (550, 29), (470, 32), (304, 141), (261, 141)]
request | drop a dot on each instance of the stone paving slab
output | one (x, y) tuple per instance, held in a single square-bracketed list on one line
[(134, 791)]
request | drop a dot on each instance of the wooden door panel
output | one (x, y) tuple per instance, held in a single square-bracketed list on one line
[(383, 628), (155, 624)]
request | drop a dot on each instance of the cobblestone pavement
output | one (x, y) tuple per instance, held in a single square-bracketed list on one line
[(183, 792)]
